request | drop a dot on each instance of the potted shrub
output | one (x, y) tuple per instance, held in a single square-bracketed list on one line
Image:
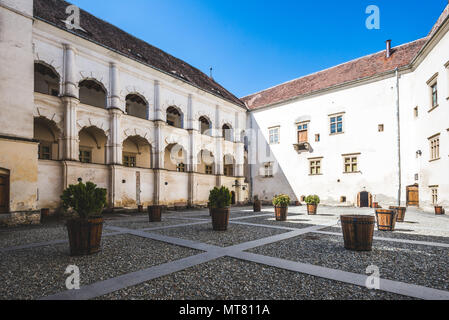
[(281, 203), (439, 210), (220, 201), (86, 229), (312, 203), (257, 204)]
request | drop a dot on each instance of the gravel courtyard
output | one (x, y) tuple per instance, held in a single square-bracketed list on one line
[(257, 258)]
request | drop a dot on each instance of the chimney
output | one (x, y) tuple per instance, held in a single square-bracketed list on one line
[(388, 52)]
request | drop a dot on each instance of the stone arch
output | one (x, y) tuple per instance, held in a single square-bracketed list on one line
[(49, 136), (40, 111), (205, 161), (90, 122), (129, 132), (137, 152), (93, 92), (92, 144), (137, 105), (47, 80), (205, 125), (174, 116)]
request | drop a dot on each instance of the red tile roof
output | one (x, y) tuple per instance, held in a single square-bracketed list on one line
[(361, 68), (111, 37)]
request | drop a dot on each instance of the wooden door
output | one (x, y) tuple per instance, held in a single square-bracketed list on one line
[(303, 136), (413, 196), (4, 193)]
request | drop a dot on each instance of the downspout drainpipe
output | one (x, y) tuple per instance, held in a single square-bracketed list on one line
[(399, 139)]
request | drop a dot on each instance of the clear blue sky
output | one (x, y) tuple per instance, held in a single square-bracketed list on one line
[(253, 45)]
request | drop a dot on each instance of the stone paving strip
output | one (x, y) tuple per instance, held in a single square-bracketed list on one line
[(230, 279), (415, 264), (406, 289), (399, 240), (234, 235), (36, 273)]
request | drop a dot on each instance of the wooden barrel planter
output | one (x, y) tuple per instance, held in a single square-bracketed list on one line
[(45, 213), (400, 213), (312, 209), (220, 218), (386, 219), (439, 210), (257, 206), (140, 208), (358, 232), (375, 205), (297, 203), (281, 213), (85, 236), (154, 213)]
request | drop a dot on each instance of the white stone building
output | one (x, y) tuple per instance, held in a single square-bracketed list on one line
[(373, 129), (98, 104)]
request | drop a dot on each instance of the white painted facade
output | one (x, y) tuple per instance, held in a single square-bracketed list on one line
[(364, 106), (152, 180)]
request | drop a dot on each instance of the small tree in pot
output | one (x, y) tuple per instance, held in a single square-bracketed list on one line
[(85, 231), (219, 202), (312, 203), (281, 203)]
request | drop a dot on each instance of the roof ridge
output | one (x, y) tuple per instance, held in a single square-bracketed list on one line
[(333, 67)]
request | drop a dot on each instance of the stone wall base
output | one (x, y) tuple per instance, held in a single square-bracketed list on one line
[(20, 218)]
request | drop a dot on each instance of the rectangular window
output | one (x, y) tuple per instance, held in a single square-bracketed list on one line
[(129, 160), (351, 164), (381, 128), (434, 89), (317, 138), (416, 112), (85, 155), (181, 167), (434, 191), (303, 130), (434, 147), (208, 169), (268, 170), (274, 135), (44, 151), (315, 167), (336, 124)]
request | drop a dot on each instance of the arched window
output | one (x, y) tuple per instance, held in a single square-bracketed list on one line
[(46, 79), (47, 133), (205, 125), (175, 158), (228, 165), (136, 106), (174, 117), (92, 145), (206, 162), (137, 152), (92, 93), (227, 132)]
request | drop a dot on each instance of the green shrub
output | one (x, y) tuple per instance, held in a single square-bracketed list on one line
[(314, 199), (220, 198), (281, 200), (85, 199)]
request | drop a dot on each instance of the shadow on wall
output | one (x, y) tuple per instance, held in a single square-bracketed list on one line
[(266, 176)]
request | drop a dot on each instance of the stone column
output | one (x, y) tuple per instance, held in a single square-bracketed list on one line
[(70, 135), (70, 100), (114, 147), (158, 148), (114, 90), (218, 166), (70, 86), (192, 167)]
